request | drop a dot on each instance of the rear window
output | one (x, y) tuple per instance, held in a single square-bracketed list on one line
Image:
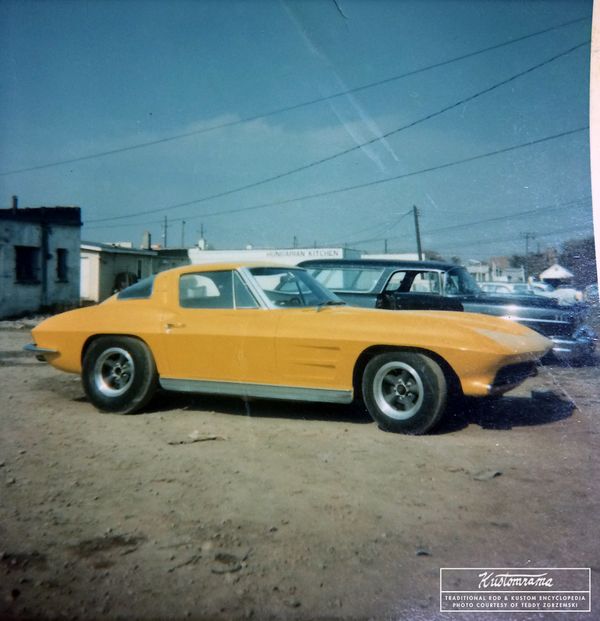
[(347, 279), (139, 291)]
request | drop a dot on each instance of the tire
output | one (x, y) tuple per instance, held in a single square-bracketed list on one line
[(404, 392), (119, 374)]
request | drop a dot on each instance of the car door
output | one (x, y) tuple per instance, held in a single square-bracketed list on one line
[(218, 331)]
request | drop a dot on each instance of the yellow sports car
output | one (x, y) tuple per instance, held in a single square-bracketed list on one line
[(275, 332)]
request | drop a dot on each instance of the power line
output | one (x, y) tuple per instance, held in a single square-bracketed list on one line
[(546, 234), (476, 222), (378, 181), (387, 225), (310, 102), (329, 158), (509, 216)]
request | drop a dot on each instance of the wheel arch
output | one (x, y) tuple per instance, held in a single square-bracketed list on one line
[(95, 337), (452, 379)]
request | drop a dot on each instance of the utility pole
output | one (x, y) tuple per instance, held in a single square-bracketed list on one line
[(165, 227), (295, 242), (183, 233), (527, 237), (417, 232), (385, 246), (201, 241)]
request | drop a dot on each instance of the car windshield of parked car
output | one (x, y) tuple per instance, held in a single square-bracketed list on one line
[(348, 279), (292, 287), (460, 282)]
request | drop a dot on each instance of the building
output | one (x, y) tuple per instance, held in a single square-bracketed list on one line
[(39, 259), (497, 270), (107, 268), (282, 256), (398, 256)]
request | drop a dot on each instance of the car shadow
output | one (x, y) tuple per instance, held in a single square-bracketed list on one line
[(496, 414), (258, 408), (505, 413)]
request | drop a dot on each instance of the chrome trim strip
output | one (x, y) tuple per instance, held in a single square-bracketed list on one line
[(532, 319), (570, 341), (261, 391), (32, 348), (255, 288)]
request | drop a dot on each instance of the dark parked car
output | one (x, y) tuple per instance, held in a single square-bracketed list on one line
[(432, 285)]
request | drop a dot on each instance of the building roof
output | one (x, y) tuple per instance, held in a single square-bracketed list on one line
[(556, 271), (100, 247), (66, 216)]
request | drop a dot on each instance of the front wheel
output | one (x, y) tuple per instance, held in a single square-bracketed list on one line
[(119, 374), (404, 392)]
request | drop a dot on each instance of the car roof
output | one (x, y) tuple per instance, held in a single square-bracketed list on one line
[(385, 263), (220, 266)]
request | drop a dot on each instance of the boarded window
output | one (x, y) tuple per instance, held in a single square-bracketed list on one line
[(27, 264), (62, 273)]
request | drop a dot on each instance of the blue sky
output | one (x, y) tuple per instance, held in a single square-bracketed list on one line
[(83, 78)]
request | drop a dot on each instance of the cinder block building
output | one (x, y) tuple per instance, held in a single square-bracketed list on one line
[(39, 259)]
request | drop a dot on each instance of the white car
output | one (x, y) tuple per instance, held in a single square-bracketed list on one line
[(507, 288), (566, 295)]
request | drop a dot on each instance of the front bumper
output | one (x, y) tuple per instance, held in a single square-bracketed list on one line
[(582, 345), (511, 376), (40, 353)]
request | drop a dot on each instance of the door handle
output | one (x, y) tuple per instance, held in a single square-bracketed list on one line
[(174, 324)]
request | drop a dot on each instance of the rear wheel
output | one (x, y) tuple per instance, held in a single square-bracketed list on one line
[(404, 392), (119, 374)]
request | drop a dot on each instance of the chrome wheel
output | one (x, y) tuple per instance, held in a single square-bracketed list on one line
[(113, 372), (398, 390)]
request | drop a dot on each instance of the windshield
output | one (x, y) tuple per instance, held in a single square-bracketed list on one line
[(292, 287), (460, 282)]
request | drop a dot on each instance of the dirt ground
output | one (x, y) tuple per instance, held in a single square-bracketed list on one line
[(209, 508)]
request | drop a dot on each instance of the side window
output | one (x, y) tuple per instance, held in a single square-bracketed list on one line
[(414, 282), (395, 281), (206, 290), (243, 297), (452, 284), (426, 282)]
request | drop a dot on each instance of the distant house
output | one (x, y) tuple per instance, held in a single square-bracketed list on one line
[(107, 268), (39, 259), (556, 275), (496, 270)]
